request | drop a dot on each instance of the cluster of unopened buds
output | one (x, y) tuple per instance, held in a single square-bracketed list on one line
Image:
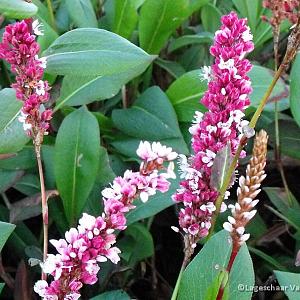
[(226, 99), (20, 49), (92, 241)]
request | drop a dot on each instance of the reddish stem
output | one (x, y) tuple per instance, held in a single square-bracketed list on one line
[(44, 204), (234, 252)]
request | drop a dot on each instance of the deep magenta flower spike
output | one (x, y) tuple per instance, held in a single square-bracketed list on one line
[(93, 240), (226, 99), (20, 49)]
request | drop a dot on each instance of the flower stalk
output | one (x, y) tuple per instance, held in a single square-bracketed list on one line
[(44, 205)]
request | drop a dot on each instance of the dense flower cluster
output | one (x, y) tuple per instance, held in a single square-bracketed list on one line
[(226, 99), (92, 241), (281, 10), (20, 49)]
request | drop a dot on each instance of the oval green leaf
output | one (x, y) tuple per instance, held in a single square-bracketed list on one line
[(76, 160), (90, 51)]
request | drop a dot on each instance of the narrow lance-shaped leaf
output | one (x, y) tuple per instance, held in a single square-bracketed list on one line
[(76, 160)]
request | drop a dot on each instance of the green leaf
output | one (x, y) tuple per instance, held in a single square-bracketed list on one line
[(79, 90), (1, 287), (12, 135), (43, 12), (25, 159), (279, 199), (5, 231), (105, 175), (249, 9), (211, 18), (126, 17), (221, 166), (196, 4), (20, 238), (261, 78), (185, 40), (151, 117), (172, 67), (290, 282), (158, 19), (289, 137), (49, 36), (82, 13), (213, 258), (273, 262), (137, 244), (213, 290), (263, 31), (90, 51), (295, 91), (76, 160), (17, 9), (112, 295), (28, 185), (8, 179), (185, 94), (154, 205)]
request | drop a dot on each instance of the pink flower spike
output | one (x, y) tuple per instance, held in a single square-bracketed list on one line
[(20, 49), (94, 238), (226, 99)]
